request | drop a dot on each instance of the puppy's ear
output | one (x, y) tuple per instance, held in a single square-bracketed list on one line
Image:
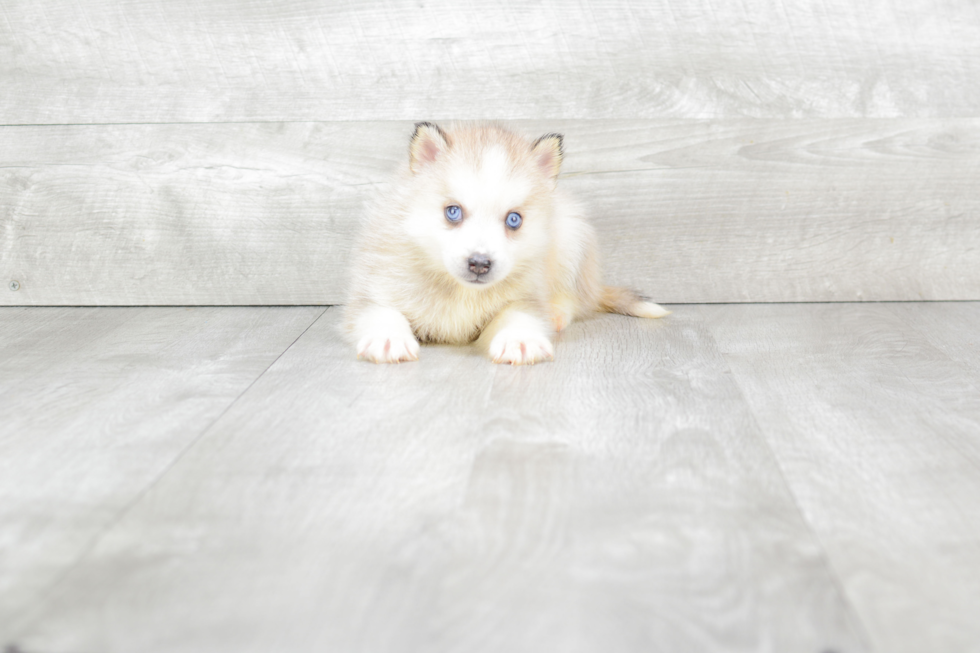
[(548, 154), (428, 144)]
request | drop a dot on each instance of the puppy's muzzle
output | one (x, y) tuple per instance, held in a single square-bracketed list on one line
[(479, 265)]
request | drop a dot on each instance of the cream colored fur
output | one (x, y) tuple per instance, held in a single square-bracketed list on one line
[(413, 278)]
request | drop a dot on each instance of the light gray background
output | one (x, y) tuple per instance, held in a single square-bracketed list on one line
[(221, 153)]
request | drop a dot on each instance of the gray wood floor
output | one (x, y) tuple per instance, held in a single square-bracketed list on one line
[(795, 477)]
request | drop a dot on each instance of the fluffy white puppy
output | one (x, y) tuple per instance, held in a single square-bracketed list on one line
[(474, 241)]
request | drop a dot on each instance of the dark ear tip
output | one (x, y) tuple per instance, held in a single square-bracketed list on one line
[(426, 125), (559, 137)]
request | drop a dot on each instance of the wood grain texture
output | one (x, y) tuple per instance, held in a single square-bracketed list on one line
[(950, 328), (687, 211), (154, 61), (878, 435), (94, 405), (620, 499)]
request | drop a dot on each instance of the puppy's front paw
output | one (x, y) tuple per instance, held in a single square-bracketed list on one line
[(520, 347), (388, 348)]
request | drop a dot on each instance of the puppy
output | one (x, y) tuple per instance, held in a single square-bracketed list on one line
[(475, 242)]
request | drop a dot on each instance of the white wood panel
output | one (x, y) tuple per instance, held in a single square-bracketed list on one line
[(94, 405), (953, 329), (619, 499), (231, 60), (878, 435), (687, 211)]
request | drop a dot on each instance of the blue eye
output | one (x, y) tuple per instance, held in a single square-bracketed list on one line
[(454, 213), (514, 220)]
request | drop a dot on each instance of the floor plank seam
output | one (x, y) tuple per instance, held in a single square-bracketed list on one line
[(862, 631), (967, 373), (29, 619)]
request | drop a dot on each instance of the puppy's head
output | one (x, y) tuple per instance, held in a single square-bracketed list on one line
[(480, 200)]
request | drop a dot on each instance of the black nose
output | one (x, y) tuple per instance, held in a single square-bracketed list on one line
[(479, 264)]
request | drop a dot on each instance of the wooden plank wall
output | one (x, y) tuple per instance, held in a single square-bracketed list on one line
[(221, 152)]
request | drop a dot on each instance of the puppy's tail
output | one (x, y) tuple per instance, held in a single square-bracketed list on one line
[(627, 302)]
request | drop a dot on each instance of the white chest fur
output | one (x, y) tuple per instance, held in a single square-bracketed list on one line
[(453, 315)]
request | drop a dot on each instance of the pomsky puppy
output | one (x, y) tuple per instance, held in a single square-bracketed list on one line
[(475, 242)]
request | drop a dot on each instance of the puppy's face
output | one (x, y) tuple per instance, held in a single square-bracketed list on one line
[(482, 201)]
